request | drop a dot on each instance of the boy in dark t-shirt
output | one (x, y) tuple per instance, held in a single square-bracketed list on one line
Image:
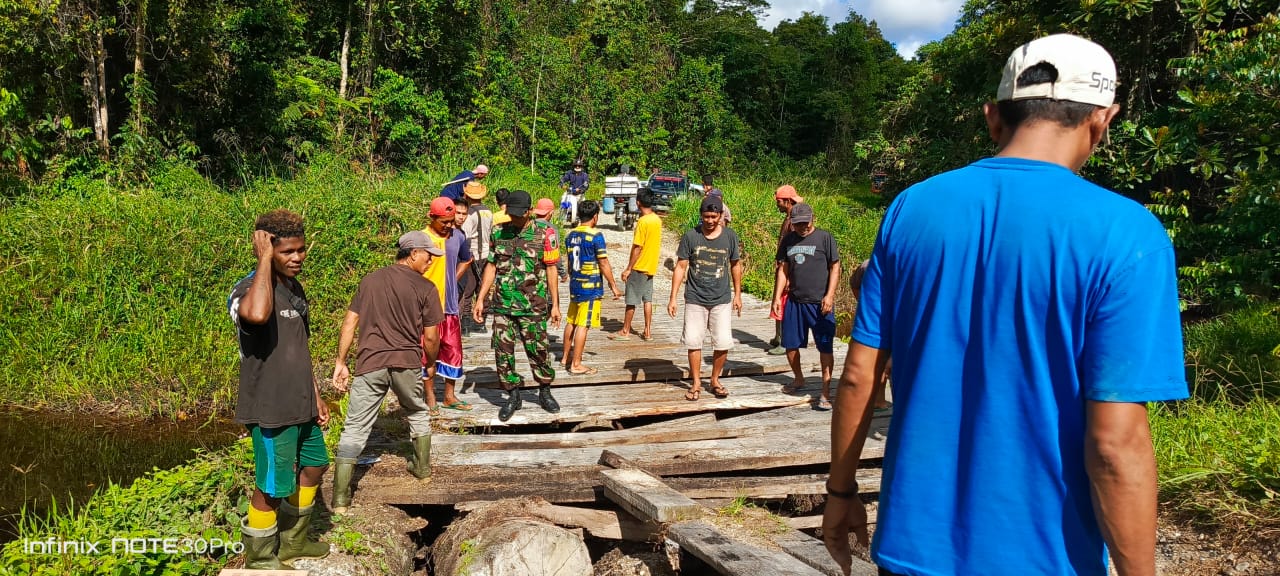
[(278, 400), (808, 273)]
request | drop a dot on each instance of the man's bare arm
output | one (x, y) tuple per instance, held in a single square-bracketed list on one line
[(257, 303), (863, 367), (1122, 471)]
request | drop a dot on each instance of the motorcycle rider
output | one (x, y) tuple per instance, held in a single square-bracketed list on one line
[(574, 183)]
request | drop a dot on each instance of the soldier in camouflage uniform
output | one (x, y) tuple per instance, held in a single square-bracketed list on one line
[(521, 272)]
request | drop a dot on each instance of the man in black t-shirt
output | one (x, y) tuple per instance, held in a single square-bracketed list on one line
[(279, 401), (710, 257), (808, 271), (397, 311)]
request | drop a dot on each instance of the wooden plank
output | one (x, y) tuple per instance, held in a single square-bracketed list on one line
[(732, 558), (613, 402), (813, 553), (613, 460), (608, 524), (690, 457), (815, 521), (646, 497), (695, 421), (645, 435), (766, 486)]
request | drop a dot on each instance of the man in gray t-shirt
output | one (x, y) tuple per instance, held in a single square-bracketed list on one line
[(709, 258)]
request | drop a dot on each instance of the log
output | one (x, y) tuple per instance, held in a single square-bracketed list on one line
[(730, 557), (505, 539), (815, 521), (646, 497), (607, 524)]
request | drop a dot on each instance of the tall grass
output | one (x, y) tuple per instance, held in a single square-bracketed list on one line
[(115, 300)]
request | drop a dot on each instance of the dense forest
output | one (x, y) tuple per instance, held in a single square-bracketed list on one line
[(231, 85)]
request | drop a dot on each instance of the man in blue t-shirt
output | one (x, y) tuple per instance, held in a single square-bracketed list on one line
[(589, 270), (1031, 316)]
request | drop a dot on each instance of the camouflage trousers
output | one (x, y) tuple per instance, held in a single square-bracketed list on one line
[(532, 332)]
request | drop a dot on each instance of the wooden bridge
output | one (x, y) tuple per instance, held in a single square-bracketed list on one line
[(757, 443)]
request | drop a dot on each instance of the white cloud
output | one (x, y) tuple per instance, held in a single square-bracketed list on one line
[(906, 23)]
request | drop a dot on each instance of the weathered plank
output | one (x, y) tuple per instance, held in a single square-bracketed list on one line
[(608, 524), (766, 486), (730, 557), (613, 402), (815, 521), (645, 435), (646, 497), (813, 553)]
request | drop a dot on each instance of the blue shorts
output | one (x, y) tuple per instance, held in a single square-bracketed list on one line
[(798, 319)]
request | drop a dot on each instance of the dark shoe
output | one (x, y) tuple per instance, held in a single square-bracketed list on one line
[(343, 470), (260, 547), (775, 342), (295, 527), (420, 463), (514, 402), (547, 401)]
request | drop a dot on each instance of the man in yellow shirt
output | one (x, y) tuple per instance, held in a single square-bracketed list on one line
[(646, 244)]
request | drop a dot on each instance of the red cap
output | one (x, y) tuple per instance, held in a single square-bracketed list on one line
[(544, 207), (442, 207), (786, 192)]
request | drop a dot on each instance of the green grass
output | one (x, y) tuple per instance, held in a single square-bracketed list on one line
[(115, 300), (203, 499)]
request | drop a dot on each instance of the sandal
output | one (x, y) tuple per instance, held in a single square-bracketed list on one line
[(619, 337), (693, 395), (719, 391), (434, 411), (823, 404), (586, 371), (461, 405), (792, 388)]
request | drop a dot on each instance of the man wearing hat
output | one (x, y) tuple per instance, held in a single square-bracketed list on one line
[(1031, 315), (455, 189), (784, 198), (809, 271), (710, 258), (574, 183), (446, 273), (521, 273), (397, 312)]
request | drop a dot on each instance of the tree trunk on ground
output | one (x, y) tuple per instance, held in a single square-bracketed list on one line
[(502, 540)]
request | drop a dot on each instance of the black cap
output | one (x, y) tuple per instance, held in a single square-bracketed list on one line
[(578, 162), (801, 213), (518, 203), (712, 204)]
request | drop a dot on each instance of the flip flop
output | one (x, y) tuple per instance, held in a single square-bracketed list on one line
[(823, 405), (619, 337), (434, 411), (792, 388), (693, 395), (646, 338), (719, 391), (461, 405), (587, 371)]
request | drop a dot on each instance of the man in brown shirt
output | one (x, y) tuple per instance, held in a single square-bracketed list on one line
[(397, 311)]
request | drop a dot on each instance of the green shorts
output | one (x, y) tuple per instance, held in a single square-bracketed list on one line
[(279, 452)]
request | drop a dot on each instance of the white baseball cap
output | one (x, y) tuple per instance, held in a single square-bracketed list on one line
[(1086, 72)]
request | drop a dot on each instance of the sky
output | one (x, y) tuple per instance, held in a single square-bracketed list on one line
[(906, 23)]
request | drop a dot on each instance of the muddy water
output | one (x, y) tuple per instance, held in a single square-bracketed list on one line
[(46, 457)]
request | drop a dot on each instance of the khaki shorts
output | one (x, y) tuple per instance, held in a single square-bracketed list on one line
[(699, 319)]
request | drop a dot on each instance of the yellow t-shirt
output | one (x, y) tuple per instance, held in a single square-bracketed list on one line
[(439, 267), (648, 237)]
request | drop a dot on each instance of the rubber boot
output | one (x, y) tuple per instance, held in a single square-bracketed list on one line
[(260, 547), (547, 400), (420, 462), (295, 527), (514, 402), (344, 469)]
